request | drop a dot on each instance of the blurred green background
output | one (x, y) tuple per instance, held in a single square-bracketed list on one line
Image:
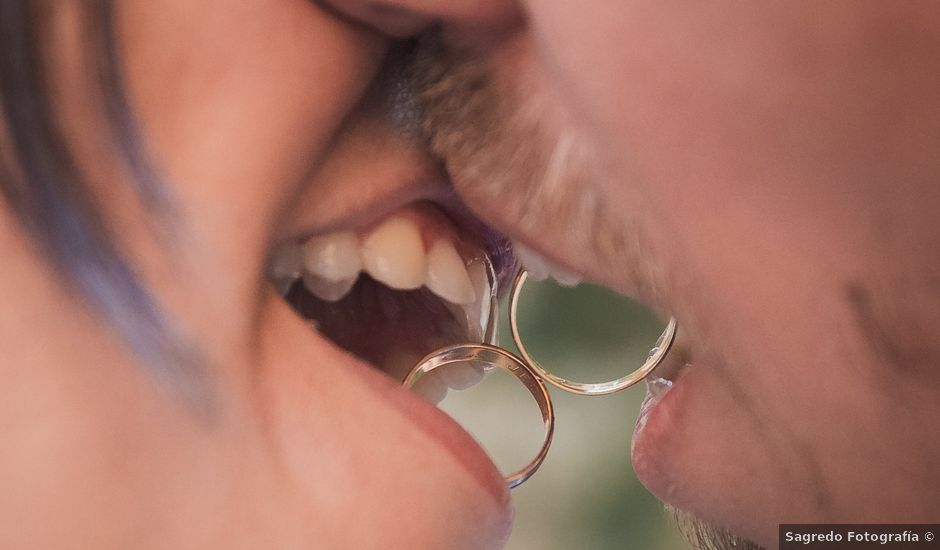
[(585, 495)]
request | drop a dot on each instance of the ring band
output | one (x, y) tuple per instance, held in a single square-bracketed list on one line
[(528, 371), (656, 355), (493, 356)]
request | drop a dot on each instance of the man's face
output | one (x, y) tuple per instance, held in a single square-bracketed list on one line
[(765, 174)]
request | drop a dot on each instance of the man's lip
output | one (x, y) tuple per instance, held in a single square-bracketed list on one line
[(654, 438), (649, 408)]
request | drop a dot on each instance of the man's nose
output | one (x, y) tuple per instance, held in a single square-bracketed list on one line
[(402, 18)]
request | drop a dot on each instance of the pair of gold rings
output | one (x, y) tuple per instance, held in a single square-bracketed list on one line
[(533, 376)]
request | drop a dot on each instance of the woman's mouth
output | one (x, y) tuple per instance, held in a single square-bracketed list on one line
[(393, 289), (424, 276)]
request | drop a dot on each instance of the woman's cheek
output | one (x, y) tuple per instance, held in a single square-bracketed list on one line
[(246, 95), (238, 101)]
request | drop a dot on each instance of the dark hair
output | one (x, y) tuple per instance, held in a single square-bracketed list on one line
[(46, 191)]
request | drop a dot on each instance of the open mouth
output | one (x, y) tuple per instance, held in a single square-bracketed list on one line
[(394, 289), (424, 276)]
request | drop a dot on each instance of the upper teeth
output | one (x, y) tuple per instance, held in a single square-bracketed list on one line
[(392, 252), (540, 269), (447, 275), (334, 257)]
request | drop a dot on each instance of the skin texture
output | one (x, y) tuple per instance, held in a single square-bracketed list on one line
[(766, 175)]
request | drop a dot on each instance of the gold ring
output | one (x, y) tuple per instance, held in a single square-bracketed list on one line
[(488, 355), (656, 355)]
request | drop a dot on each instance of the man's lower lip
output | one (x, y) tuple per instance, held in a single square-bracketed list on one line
[(652, 433)]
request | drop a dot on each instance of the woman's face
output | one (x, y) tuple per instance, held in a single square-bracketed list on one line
[(244, 106), (717, 167)]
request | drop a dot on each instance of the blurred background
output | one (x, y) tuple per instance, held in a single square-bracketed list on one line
[(585, 495)]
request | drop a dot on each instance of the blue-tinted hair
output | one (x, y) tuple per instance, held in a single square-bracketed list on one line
[(51, 199)]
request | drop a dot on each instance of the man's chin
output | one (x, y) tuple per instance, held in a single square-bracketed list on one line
[(706, 536)]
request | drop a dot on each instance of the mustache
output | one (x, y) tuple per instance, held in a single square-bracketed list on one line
[(503, 136), (494, 135)]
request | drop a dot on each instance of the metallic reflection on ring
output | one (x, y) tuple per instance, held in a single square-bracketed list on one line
[(528, 371), (655, 357), (492, 356)]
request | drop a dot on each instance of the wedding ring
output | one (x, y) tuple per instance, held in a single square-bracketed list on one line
[(491, 356), (532, 375), (654, 358)]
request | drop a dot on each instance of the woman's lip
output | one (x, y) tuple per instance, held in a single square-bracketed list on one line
[(431, 420), (291, 332), (334, 206), (441, 428), (338, 209)]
